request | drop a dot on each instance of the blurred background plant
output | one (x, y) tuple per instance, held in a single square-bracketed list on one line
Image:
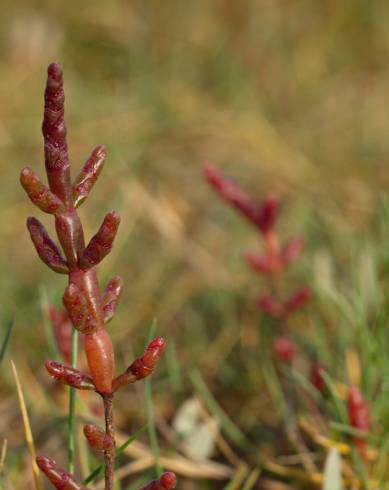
[(285, 97)]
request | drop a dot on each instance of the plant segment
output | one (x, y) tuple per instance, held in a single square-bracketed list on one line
[(88, 309)]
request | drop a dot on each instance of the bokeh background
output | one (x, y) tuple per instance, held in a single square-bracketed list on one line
[(285, 96)]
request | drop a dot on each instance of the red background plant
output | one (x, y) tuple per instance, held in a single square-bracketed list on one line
[(274, 259)]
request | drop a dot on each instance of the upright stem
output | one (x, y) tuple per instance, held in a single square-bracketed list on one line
[(82, 297), (109, 454), (72, 406)]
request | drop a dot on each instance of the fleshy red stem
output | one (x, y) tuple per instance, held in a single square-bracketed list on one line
[(109, 454), (82, 296), (87, 309)]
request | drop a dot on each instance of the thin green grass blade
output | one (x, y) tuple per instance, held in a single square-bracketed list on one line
[(273, 385), (72, 407), (44, 304), (351, 431), (7, 338), (252, 479), (360, 468), (238, 478), (338, 403), (304, 383), (173, 367), (138, 483), (382, 466), (234, 433)]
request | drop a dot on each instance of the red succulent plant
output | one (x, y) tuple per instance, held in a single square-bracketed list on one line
[(87, 308)]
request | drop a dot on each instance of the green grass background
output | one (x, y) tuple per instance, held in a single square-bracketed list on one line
[(285, 96)]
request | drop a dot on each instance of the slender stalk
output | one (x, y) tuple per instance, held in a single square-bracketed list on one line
[(109, 454), (6, 340), (27, 428), (153, 438), (72, 406)]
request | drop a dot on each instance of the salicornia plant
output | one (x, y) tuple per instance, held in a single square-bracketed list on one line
[(272, 262), (89, 309), (274, 259)]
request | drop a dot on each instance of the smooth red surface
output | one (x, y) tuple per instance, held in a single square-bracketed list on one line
[(99, 353)]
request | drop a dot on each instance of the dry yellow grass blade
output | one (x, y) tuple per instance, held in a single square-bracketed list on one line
[(27, 428), (129, 469), (294, 473), (181, 466), (220, 441), (2, 455), (353, 367), (239, 477), (205, 469), (312, 478), (252, 479), (328, 443)]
